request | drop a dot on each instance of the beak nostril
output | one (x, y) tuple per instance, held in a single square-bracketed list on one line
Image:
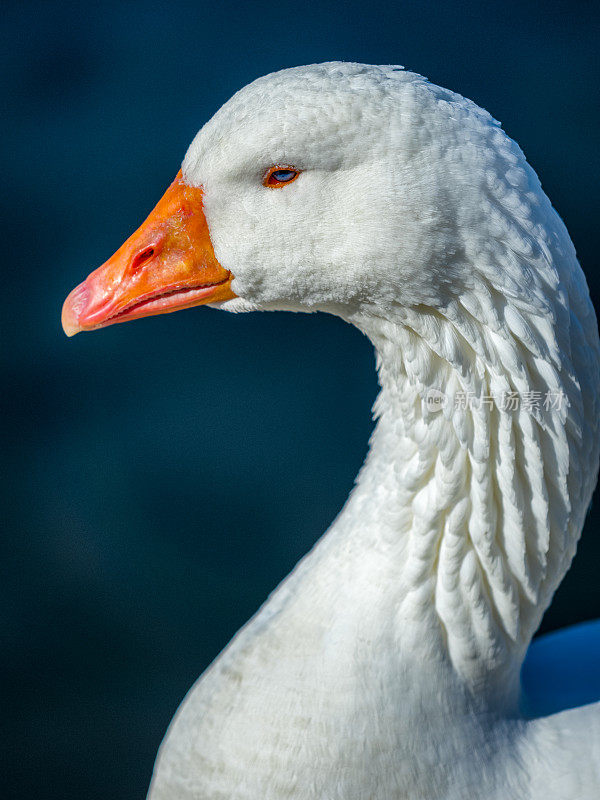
[(141, 258)]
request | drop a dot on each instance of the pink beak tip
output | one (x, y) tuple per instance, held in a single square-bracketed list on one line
[(72, 309)]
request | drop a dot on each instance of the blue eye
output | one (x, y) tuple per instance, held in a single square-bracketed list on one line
[(279, 176), (283, 175)]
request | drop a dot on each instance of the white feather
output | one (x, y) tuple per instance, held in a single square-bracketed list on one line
[(387, 665)]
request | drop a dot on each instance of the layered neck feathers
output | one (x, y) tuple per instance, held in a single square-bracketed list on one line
[(479, 474)]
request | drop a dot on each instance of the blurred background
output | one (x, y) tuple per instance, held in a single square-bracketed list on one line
[(162, 477)]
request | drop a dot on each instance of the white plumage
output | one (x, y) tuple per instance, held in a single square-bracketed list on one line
[(387, 665)]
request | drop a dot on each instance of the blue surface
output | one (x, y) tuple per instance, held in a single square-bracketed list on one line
[(562, 670)]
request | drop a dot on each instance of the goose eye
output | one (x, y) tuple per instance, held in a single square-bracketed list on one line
[(279, 176)]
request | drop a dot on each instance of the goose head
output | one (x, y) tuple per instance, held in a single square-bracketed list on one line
[(336, 187)]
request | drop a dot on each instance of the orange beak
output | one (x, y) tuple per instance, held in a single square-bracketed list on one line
[(167, 264)]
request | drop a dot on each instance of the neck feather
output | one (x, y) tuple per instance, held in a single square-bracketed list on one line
[(481, 468)]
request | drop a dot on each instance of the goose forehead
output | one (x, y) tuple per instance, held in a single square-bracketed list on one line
[(322, 111), (318, 109), (321, 86), (283, 125)]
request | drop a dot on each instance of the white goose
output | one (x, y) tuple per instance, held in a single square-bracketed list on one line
[(387, 665)]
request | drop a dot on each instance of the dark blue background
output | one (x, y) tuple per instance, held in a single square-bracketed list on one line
[(162, 477)]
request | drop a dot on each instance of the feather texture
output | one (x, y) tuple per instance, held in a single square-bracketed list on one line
[(386, 666)]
